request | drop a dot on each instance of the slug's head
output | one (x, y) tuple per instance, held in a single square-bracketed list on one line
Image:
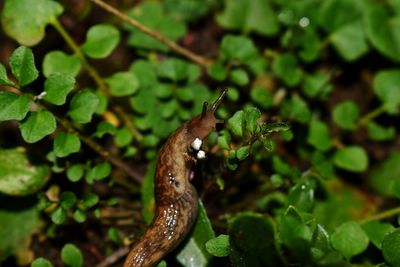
[(206, 122)]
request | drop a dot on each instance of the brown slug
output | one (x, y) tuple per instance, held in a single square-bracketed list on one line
[(176, 198)]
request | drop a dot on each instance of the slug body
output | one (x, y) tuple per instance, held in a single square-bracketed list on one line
[(176, 198)]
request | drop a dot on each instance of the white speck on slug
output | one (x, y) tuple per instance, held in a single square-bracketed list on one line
[(197, 144), (201, 154)]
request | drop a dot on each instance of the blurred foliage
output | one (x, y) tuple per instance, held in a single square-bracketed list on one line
[(304, 172)]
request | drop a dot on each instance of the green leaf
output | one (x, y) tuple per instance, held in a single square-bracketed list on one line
[(83, 105), (281, 166), (286, 67), (250, 118), (152, 15), (349, 239), (350, 41), (57, 86), (173, 69), (217, 71), (37, 126), (145, 71), (319, 136), (123, 83), (383, 30), (320, 247), (297, 109), (218, 246), (103, 103), (41, 262), (114, 235), (301, 196), (123, 137), (346, 31), (345, 114), (238, 48), (235, 123), (102, 170), (71, 255), (310, 44), (188, 10), (59, 62), (231, 160), (380, 133), (296, 235), (391, 246), (13, 106), (194, 252), (243, 152), (75, 172), (262, 96), (19, 176), (224, 139), (103, 128), (66, 144), (22, 65), (101, 40), (249, 16), (79, 216), (19, 220), (90, 200), (386, 175), (239, 77), (59, 215), (317, 85), (249, 247), (376, 231), (351, 158), (386, 85), (68, 199), (25, 20), (4, 78)]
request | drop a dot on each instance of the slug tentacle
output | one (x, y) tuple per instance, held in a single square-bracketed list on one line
[(176, 198)]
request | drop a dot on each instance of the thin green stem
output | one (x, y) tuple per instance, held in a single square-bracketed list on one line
[(96, 77), (383, 215), (200, 60), (71, 43), (371, 115)]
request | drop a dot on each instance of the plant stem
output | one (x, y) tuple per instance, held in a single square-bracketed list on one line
[(117, 162), (383, 215), (371, 115), (97, 78), (71, 43), (202, 61)]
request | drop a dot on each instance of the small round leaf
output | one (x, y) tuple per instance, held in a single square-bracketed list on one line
[(37, 126), (57, 86), (22, 65), (71, 255), (101, 40), (13, 106), (59, 62), (349, 239), (352, 158), (218, 246), (391, 248), (83, 105), (41, 262), (66, 144)]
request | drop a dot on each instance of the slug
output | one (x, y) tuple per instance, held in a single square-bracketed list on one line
[(175, 197)]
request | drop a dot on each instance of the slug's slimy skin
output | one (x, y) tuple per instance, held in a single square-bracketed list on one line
[(176, 198)]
